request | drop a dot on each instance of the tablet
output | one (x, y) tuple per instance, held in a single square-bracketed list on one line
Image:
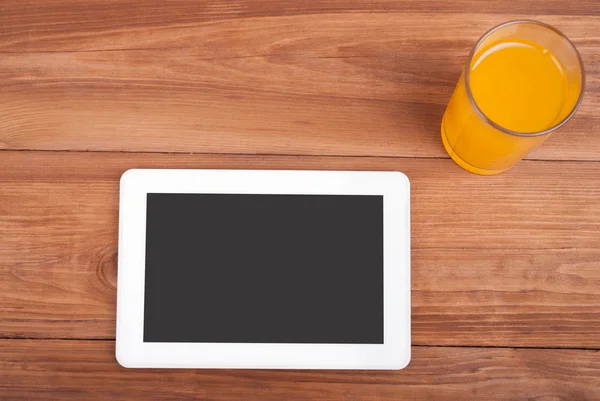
[(263, 269)]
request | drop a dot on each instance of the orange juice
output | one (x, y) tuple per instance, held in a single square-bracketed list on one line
[(519, 85), (518, 90)]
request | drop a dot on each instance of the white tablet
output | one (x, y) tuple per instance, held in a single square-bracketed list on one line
[(264, 269)]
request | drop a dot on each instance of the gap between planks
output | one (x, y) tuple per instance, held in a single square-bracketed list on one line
[(273, 155)]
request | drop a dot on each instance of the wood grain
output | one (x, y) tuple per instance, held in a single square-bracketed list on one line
[(76, 370), (505, 261), (335, 78), (511, 260)]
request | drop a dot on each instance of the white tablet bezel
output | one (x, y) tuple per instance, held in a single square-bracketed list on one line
[(131, 351)]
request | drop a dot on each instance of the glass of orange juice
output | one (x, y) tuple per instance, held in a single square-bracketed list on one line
[(523, 80)]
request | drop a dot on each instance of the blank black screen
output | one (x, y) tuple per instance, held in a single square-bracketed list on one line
[(264, 268)]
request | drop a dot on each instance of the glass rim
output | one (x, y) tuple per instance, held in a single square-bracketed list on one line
[(498, 126)]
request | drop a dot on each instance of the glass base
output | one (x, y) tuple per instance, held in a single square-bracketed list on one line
[(463, 163)]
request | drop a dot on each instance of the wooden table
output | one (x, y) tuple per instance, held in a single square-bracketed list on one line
[(506, 269)]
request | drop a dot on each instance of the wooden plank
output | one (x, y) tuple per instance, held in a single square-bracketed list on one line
[(221, 77), (114, 15), (510, 260), (68, 25), (75, 370)]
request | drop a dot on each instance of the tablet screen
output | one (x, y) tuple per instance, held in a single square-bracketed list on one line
[(251, 268)]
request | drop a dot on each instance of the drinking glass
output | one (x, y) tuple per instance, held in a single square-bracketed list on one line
[(522, 81)]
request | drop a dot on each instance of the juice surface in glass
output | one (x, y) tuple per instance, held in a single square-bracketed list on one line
[(515, 90), (519, 85)]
